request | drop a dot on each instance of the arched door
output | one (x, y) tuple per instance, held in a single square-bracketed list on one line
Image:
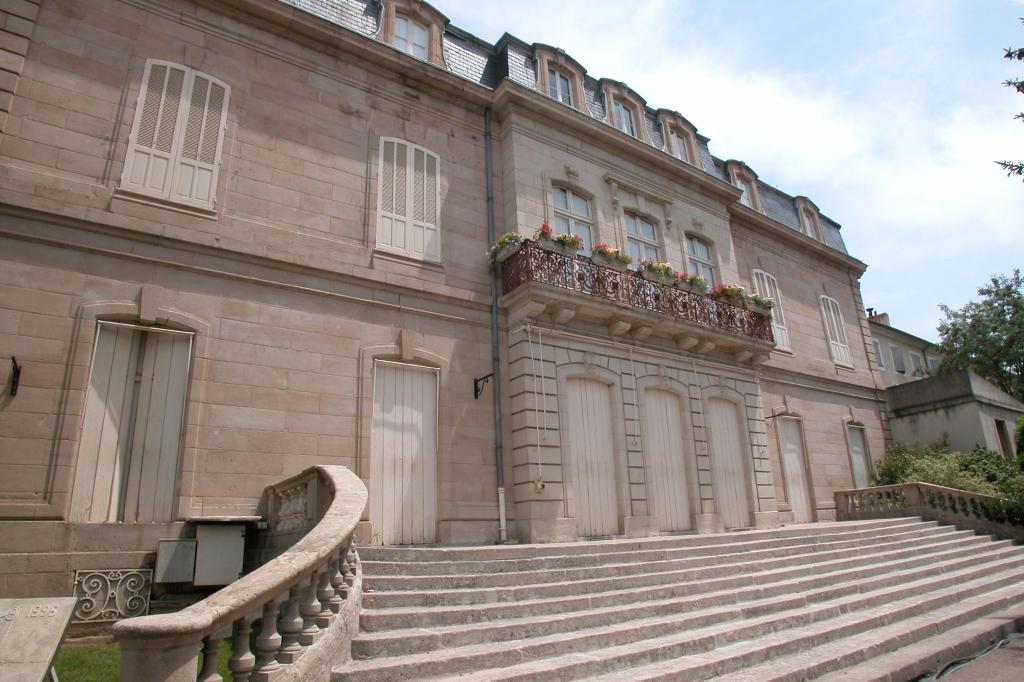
[(667, 485), (728, 462), (403, 455), (590, 457)]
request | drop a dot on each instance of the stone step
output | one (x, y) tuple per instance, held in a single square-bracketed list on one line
[(374, 619), (770, 596), (724, 576), (731, 554), (446, 555), (653, 551), (724, 648)]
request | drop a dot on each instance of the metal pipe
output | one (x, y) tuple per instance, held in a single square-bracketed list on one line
[(495, 359)]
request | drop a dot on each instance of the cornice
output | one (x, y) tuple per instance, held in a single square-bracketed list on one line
[(509, 96)]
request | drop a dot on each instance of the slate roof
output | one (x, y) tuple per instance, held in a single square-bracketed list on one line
[(480, 62)]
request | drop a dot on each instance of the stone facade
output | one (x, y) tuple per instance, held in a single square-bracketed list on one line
[(286, 280)]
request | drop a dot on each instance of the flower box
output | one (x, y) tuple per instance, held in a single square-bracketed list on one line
[(653, 276), (505, 252), (759, 309), (606, 262), (556, 246)]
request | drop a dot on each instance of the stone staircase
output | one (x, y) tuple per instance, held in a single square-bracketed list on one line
[(884, 599)]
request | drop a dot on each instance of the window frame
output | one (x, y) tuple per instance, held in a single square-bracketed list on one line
[(778, 315), (410, 165), (555, 79), (879, 356), (709, 263), (174, 157), (411, 26), (838, 345), (917, 369), (655, 242), (572, 217), (899, 363), (620, 105)]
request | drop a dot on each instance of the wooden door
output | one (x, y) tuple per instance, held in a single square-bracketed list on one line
[(590, 461), (858, 456), (728, 462), (794, 469), (403, 457), (667, 485)]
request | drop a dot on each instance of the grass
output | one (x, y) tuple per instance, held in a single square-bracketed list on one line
[(99, 662)]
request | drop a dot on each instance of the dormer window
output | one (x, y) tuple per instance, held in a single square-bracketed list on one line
[(559, 87), (411, 37), (679, 147), (808, 214), (747, 197), (746, 180), (624, 118)]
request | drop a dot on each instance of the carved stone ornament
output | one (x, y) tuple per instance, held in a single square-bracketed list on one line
[(109, 595), (291, 513)]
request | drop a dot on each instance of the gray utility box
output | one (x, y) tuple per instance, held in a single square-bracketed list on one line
[(220, 548), (175, 561)]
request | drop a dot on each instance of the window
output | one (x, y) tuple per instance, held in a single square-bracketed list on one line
[(747, 197), (572, 215), (878, 353), (698, 259), (624, 118), (174, 149), (641, 238), (860, 461), (917, 362), (680, 146), (128, 455), (1005, 444), (409, 200), (558, 87), (899, 363), (767, 286), (808, 223), (933, 365), (411, 37), (836, 332)]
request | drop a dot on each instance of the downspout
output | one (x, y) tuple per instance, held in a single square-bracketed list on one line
[(495, 359)]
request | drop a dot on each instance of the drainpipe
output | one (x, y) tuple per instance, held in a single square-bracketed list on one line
[(495, 359)]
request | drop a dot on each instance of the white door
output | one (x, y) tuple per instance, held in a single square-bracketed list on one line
[(128, 456), (667, 487), (590, 462), (794, 469), (403, 456), (728, 462), (858, 456)]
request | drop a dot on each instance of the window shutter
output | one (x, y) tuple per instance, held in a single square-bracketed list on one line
[(195, 177), (836, 332), (151, 145), (766, 286), (409, 203)]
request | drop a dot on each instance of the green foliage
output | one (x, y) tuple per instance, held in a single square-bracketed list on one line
[(981, 471), (987, 336), (100, 662), (1014, 54), (1020, 442)]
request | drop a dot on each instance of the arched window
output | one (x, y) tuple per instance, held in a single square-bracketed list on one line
[(409, 188), (174, 150), (698, 259)]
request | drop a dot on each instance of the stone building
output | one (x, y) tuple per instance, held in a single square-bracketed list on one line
[(239, 238), (902, 357)]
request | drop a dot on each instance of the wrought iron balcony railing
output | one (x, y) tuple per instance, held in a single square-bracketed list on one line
[(578, 273)]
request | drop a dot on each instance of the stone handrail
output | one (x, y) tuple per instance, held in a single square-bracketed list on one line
[(984, 513), (311, 592)]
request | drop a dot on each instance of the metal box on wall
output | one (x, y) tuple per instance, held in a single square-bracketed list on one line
[(219, 552), (175, 561)]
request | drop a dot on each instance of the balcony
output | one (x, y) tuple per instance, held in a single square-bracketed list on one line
[(536, 281)]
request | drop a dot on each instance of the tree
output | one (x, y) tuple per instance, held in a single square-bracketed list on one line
[(987, 336), (1014, 54)]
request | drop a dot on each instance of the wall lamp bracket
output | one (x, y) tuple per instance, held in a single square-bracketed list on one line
[(479, 383), (15, 375)]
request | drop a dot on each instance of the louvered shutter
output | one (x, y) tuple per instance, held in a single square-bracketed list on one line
[(152, 143), (835, 330), (409, 204), (195, 174), (767, 286)]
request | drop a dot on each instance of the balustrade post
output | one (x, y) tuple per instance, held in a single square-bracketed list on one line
[(242, 660), (268, 642), (842, 506), (211, 647), (912, 499), (324, 593), (290, 626), (337, 581), (351, 559), (310, 609)]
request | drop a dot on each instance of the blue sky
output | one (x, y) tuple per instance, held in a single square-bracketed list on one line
[(887, 114)]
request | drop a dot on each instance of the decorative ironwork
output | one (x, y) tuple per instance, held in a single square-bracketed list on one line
[(578, 273), (111, 595)]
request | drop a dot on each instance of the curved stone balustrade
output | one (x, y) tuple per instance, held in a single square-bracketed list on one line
[(304, 603), (984, 513)]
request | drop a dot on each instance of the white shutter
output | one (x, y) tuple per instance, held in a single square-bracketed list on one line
[(177, 137), (794, 469), (195, 175), (589, 477), (835, 331), (728, 462), (858, 455), (767, 286), (152, 142), (409, 200)]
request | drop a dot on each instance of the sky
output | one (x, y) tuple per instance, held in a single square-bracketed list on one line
[(888, 114)]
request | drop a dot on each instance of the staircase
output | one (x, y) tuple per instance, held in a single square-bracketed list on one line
[(885, 599)]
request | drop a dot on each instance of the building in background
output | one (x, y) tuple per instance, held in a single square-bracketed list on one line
[(902, 357), (239, 239)]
